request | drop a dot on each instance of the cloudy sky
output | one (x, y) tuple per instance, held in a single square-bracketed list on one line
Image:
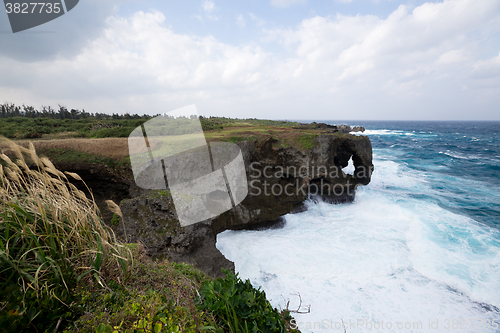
[(275, 59)]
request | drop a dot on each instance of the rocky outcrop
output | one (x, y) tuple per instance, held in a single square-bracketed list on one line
[(331, 128), (279, 178), (105, 183), (151, 219)]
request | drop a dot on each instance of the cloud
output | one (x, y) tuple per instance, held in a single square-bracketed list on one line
[(240, 21), (453, 56), (208, 6), (287, 3), (135, 64), (259, 21), (63, 36), (488, 66), (424, 63)]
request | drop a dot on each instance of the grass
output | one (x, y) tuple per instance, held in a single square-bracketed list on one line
[(113, 148), (63, 156), (46, 128), (112, 151), (286, 134), (170, 297), (62, 268), (34, 128), (307, 140), (51, 238), (242, 307), (158, 296), (223, 122)]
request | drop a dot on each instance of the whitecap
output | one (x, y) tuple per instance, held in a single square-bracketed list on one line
[(385, 257)]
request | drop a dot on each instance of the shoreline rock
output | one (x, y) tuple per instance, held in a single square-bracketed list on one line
[(331, 128), (313, 173), (307, 173)]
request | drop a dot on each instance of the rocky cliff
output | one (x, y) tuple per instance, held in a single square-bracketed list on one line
[(279, 178)]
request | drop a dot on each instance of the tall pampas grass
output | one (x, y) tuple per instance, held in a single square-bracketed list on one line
[(52, 236)]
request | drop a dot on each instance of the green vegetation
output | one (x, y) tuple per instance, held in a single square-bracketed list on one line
[(115, 220), (163, 297), (158, 297), (25, 122), (241, 307), (159, 194), (286, 134), (236, 139), (33, 128), (51, 239), (9, 110), (60, 155), (63, 270), (307, 140), (217, 123)]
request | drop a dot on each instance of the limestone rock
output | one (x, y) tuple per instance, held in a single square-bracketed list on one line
[(280, 179)]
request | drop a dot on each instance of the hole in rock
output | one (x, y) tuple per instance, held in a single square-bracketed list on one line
[(349, 169)]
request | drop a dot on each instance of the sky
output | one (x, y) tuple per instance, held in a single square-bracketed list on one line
[(271, 59)]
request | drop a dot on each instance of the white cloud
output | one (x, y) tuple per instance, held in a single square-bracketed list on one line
[(286, 3), (487, 68), (259, 21), (72, 32), (208, 6), (413, 65), (453, 56), (240, 20)]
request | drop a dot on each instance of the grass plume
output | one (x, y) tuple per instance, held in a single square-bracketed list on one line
[(51, 238)]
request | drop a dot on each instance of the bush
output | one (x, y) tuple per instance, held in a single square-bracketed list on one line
[(240, 306), (158, 297), (114, 132)]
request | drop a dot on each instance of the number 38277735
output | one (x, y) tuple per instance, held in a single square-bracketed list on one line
[(33, 7)]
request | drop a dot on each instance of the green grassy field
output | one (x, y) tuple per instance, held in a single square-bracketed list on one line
[(47, 128), (37, 128), (105, 142)]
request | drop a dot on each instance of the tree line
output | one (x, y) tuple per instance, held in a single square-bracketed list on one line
[(10, 110)]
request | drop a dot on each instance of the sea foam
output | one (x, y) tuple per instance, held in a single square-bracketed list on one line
[(391, 256)]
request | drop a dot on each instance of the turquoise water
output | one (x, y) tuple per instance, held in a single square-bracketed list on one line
[(417, 251)]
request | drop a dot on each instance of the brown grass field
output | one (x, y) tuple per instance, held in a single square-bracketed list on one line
[(115, 148)]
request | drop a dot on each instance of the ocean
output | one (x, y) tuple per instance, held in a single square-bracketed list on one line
[(417, 251)]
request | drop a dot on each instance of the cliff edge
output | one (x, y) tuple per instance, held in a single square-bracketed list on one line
[(280, 178)]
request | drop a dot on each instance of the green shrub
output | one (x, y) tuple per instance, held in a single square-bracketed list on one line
[(129, 311), (114, 132), (239, 306), (159, 296)]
